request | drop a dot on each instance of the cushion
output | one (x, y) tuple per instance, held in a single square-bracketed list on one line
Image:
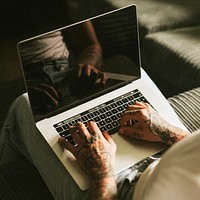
[(154, 15), (172, 58), (187, 107), (159, 15)]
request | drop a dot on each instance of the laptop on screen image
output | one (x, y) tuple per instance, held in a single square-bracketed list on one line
[(84, 100)]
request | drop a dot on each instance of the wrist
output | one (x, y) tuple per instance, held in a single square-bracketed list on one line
[(164, 131), (104, 188), (169, 134), (176, 134), (105, 171)]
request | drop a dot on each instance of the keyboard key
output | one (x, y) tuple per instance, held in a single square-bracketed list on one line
[(114, 111), (90, 115), (108, 120), (59, 129), (113, 105), (65, 127), (108, 126), (97, 119), (96, 113), (115, 123), (114, 117), (84, 118), (102, 123), (102, 110), (103, 128), (103, 116), (108, 114)]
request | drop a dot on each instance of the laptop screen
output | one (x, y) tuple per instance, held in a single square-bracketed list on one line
[(74, 64)]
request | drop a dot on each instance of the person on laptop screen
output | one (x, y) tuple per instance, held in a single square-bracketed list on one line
[(46, 61)]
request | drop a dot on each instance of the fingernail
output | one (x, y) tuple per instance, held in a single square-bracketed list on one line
[(60, 139)]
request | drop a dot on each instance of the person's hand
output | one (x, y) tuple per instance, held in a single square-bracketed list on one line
[(43, 96), (143, 122), (95, 151), (90, 75)]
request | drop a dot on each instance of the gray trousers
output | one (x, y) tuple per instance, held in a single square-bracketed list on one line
[(19, 136)]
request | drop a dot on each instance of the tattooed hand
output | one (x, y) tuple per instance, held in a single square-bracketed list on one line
[(143, 122), (95, 153)]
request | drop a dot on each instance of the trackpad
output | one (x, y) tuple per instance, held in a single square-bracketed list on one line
[(131, 151)]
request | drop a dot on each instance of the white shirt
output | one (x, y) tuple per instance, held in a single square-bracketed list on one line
[(47, 47), (176, 176)]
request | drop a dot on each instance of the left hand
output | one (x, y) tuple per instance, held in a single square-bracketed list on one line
[(95, 151)]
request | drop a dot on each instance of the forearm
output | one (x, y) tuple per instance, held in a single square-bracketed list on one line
[(91, 55), (169, 134), (174, 134), (104, 189)]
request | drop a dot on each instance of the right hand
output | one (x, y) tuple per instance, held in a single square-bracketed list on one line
[(141, 121)]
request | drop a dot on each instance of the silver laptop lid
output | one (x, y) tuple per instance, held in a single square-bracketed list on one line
[(49, 62)]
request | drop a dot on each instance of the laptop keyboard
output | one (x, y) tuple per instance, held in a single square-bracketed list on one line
[(107, 115)]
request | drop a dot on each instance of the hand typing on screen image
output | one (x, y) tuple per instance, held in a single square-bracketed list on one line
[(95, 151), (86, 79), (90, 74)]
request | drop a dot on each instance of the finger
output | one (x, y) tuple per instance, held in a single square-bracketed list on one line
[(107, 136), (139, 103), (131, 132), (102, 77), (78, 70), (94, 74), (75, 134), (129, 117), (47, 100), (83, 132), (136, 106), (86, 70), (144, 104), (94, 129), (51, 90)]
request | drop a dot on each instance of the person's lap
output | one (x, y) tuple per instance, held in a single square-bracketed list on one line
[(19, 134)]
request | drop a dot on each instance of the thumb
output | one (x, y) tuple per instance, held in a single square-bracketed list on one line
[(107, 137), (65, 144)]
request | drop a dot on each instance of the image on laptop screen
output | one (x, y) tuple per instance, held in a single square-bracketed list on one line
[(50, 61)]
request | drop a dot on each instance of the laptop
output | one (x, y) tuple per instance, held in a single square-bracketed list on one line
[(126, 82)]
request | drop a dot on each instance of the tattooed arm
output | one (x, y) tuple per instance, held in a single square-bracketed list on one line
[(95, 154), (143, 122), (89, 52)]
